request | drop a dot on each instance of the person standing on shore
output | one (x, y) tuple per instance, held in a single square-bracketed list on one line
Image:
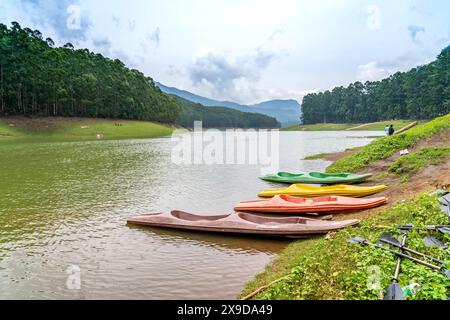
[(386, 130), (391, 130)]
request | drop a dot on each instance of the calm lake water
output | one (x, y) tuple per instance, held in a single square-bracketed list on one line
[(66, 204)]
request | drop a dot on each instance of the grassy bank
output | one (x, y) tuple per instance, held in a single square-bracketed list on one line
[(387, 146), (375, 126), (320, 127), (331, 268), (74, 129), (317, 156)]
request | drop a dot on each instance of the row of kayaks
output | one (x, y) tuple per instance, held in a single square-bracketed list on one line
[(297, 199)]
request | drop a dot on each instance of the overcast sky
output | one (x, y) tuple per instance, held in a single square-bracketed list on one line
[(248, 50)]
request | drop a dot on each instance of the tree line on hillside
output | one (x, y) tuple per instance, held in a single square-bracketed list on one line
[(37, 78), (221, 117), (421, 93)]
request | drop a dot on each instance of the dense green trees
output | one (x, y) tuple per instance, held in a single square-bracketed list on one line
[(421, 93), (220, 117), (38, 79)]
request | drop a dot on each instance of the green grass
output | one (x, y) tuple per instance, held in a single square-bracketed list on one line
[(323, 155), (376, 126), (415, 161), (384, 147), (6, 131), (334, 269), (316, 156), (320, 127), (74, 129)]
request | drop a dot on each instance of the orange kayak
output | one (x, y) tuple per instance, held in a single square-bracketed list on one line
[(241, 223), (290, 204)]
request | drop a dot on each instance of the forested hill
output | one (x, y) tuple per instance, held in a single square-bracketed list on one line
[(221, 117), (37, 78), (421, 93), (286, 112)]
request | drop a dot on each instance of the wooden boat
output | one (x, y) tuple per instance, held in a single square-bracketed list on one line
[(312, 191), (241, 223), (316, 177), (290, 204)]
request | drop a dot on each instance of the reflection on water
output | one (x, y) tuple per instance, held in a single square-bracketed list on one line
[(64, 204)]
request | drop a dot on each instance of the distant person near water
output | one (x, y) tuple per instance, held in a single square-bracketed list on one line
[(386, 130), (391, 130)]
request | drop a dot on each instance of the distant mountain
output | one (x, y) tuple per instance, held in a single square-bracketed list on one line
[(287, 112), (221, 117)]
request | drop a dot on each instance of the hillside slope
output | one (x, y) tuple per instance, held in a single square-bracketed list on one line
[(221, 117), (58, 129), (287, 112)]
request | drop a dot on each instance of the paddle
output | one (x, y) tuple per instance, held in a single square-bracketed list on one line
[(446, 209), (434, 242), (445, 199), (443, 229), (394, 291), (440, 228), (389, 239), (362, 241)]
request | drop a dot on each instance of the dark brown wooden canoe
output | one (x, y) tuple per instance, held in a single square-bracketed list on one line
[(241, 223)]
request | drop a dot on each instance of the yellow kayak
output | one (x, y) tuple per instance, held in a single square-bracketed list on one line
[(302, 190)]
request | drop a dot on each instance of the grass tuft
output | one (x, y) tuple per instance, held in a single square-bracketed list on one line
[(415, 161), (317, 156)]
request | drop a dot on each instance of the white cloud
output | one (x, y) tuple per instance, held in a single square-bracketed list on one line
[(275, 34), (155, 36), (371, 72), (326, 40), (374, 17), (414, 31), (226, 76)]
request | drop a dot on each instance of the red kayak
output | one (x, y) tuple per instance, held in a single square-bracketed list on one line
[(242, 223), (290, 204)]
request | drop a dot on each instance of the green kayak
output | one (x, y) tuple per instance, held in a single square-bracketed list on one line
[(316, 177)]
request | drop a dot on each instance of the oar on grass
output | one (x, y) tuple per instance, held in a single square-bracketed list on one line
[(434, 242), (394, 291), (445, 229), (389, 239), (446, 209), (445, 200), (362, 241)]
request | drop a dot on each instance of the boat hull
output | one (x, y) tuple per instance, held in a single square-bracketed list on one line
[(241, 223), (300, 190), (316, 178), (319, 205)]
